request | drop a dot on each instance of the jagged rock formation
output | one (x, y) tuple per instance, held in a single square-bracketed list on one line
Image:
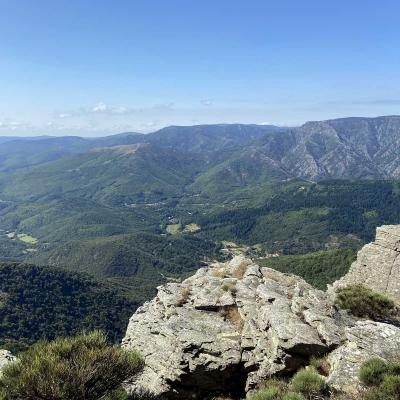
[(234, 324), (378, 264), (228, 327), (364, 341), (5, 358)]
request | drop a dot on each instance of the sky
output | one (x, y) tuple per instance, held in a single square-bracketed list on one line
[(91, 68)]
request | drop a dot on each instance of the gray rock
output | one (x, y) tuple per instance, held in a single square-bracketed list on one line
[(5, 358), (378, 264), (228, 327), (365, 340)]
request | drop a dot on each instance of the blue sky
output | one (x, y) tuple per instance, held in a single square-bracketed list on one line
[(96, 67)]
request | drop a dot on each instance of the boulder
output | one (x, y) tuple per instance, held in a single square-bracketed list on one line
[(228, 327), (5, 358), (364, 341), (378, 264)]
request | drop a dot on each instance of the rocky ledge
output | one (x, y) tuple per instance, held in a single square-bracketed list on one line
[(234, 324), (378, 264), (228, 327)]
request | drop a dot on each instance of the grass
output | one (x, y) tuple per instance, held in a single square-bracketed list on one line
[(383, 379), (185, 296), (232, 314), (173, 229), (240, 270), (27, 238)]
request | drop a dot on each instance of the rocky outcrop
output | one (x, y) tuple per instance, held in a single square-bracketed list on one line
[(5, 358), (365, 340), (228, 327), (378, 264), (234, 324)]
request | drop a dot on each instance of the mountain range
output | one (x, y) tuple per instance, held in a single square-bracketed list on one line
[(354, 148), (137, 209)]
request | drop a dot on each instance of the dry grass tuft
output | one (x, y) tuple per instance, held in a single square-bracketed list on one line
[(185, 295), (239, 272), (232, 314), (321, 365), (219, 272)]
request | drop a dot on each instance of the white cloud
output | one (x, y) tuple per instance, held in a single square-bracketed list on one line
[(206, 102), (100, 107), (64, 115)]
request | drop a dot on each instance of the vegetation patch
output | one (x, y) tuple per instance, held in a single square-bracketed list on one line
[(43, 303), (174, 229), (185, 296), (318, 269), (383, 379), (232, 314), (27, 238), (84, 367), (364, 302), (309, 383)]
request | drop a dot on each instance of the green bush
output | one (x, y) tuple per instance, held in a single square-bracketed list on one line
[(268, 393), (384, 377), (391, 386), (389, 389), (364, 302), (293, 396), (84, 367), (373, 372), (308, 382)]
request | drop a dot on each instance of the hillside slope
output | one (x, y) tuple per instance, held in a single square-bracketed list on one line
[(42, 302)]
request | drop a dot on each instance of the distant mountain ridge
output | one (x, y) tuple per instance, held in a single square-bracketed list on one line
[(346, 148)]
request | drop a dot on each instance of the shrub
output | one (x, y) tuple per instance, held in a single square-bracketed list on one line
[(373, 372), (391, 386), (84, 367), (308, 383), (293, 396), (364, 302), (268, 393), (384, 377), (389, 389)]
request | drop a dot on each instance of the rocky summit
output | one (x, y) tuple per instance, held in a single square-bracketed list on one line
[(228, 327), (378, 264), (232, 325)]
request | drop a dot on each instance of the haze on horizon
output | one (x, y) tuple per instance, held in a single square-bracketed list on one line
[(94, 68)]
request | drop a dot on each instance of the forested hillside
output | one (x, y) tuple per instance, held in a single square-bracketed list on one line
[(44, 303)]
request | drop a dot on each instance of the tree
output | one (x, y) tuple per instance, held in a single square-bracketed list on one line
[(84, 367)]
